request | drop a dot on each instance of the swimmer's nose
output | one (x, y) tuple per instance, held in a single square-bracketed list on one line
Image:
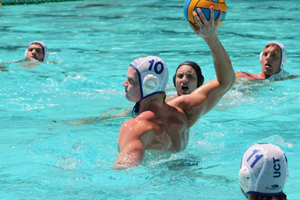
[(268, 57), (184, 79), (125, 83)]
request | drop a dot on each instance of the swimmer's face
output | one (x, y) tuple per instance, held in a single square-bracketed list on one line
[(132, 86), (35, 51), (185, 80), (271, 59)]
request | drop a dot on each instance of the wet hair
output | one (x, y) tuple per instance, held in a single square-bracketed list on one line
[(282, 196), (195, 66)]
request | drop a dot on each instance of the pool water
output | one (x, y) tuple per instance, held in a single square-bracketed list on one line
[(43, 155)]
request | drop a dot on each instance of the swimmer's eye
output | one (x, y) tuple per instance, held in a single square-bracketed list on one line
[(37, 50), (190, 76), (131, 81), (180, 76), (272, 54)]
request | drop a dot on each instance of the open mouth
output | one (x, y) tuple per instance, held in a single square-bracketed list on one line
[(184, 88), (268, 65)]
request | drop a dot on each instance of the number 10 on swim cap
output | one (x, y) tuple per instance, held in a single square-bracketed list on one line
[(158, 67)]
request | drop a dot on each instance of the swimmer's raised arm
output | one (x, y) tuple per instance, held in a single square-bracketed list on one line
[(224, 71), (164, 127), (207, 96)]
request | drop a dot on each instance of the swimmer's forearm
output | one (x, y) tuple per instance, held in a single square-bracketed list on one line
[(6, 63), (223, 67)]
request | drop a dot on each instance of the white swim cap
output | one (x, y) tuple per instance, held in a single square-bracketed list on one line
[(153, 75), (283, 54), (44, 48), (264, 170)]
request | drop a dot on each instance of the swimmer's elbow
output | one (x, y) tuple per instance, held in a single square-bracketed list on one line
[(233, 79), (227, 83)]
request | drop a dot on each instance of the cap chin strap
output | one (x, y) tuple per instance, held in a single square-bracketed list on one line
[(135, 109), (148, 87), (244, 193)]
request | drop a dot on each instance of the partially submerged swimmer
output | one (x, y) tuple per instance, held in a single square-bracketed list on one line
[(272, 59), (164, 127), (36, 52), (187, 78)]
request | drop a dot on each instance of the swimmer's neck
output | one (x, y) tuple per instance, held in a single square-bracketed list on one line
[(261, 76), (153, 101), (264, 76)]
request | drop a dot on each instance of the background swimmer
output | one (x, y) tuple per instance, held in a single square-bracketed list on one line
[(36, 52), (273, 58), (187, 78)]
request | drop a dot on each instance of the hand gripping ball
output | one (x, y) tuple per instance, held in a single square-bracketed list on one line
[(204, 5)]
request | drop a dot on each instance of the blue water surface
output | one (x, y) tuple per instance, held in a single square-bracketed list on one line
[(43, 155)]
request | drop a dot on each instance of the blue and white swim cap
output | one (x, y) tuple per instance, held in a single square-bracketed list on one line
[(264, 170), (153, 77), (283, 54), (44, 48)]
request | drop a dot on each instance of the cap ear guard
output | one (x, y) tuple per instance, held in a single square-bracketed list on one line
[(260, 56), (150, 84), (26, 52), (284, 58), (245, 179)]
